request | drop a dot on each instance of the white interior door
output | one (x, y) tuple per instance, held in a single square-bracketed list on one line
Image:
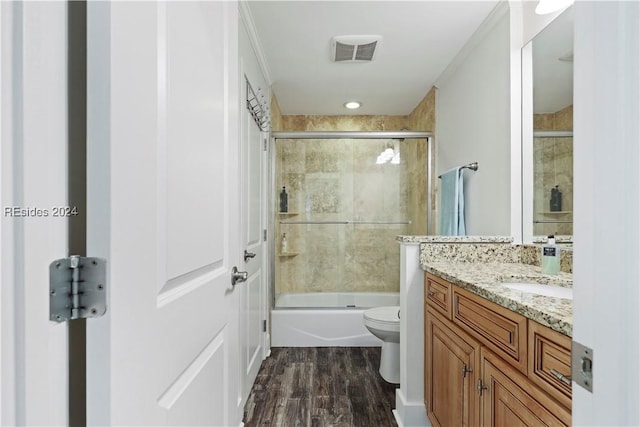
[(252, 311), (163, 209), (33, 232)]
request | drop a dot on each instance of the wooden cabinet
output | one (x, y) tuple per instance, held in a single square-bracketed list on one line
[(502, 330), (510, 399), (550, 361), (452, 364), (486, 365)]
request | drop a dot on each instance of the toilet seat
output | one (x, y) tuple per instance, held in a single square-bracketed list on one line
[(383, 318)]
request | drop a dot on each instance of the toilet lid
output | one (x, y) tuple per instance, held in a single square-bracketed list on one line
[(383, 314)]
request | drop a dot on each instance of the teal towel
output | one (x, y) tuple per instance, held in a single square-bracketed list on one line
[(452, 204)]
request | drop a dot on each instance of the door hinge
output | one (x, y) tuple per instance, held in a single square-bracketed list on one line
[(265, 144), (264, 234), (77, 288), (264, 325)]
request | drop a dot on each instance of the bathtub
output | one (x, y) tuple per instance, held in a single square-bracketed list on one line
[(297, 320)]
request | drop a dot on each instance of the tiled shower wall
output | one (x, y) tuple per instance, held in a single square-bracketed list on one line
[(553, 165), (423, 117), (335, 180)]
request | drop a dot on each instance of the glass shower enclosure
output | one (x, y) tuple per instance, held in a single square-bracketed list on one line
[(339, 201), (553, 183)]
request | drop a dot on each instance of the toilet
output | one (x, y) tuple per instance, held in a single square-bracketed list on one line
[(384, 323)]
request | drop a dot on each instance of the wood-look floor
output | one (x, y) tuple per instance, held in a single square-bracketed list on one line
[(321, 387)]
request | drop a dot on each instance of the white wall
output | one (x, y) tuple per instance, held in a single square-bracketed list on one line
[(606, 270), (473, 124)]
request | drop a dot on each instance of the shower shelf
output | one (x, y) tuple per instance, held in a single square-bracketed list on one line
[(555, 212), (287, 213), (287, 254), (348, 222)]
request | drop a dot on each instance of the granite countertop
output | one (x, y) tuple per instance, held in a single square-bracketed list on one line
[(454, 239), (485, 280)]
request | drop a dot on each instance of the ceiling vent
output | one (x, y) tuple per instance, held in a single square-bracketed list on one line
[(354, 48)]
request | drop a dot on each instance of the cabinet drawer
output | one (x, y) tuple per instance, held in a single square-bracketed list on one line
[(502, 330), (437, 294), (550, 361)]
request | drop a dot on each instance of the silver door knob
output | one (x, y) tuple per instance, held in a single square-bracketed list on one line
[(238, 276), (248, 255)]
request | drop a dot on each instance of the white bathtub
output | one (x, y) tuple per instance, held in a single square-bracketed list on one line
[(339, 326)]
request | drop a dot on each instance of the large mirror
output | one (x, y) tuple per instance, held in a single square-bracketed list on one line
[(552, 134)]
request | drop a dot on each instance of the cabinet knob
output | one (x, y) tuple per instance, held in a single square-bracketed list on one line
[(465, 370), (481, 387)]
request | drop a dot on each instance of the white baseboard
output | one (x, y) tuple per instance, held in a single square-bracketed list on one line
[(410, 414)]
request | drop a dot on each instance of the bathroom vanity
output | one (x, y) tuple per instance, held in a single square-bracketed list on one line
[(495, 355)]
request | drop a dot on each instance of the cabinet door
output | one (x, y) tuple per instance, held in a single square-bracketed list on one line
[(451, 362), (510, 399)]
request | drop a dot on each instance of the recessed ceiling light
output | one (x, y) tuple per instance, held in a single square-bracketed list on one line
[(549, 6), (352, 105)]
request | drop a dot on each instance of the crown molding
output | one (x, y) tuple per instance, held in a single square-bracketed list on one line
[(247, 19), (498, 12)]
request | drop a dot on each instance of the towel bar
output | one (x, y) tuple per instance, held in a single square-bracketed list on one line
[(473, 166)]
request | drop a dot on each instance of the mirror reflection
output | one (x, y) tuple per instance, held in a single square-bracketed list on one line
[(552, 56)]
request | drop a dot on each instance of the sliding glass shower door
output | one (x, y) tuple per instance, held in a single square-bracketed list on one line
[(347, 200)]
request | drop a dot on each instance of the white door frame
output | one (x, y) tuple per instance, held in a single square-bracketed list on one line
[(33, 174), (258, 74), (266, 264)]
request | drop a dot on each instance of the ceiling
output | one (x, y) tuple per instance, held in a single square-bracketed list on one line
[(419, 41)]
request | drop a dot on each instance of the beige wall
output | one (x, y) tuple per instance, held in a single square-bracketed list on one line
[(344, 123), (553, 165), (423, 117), (276, 115), (560, 120)]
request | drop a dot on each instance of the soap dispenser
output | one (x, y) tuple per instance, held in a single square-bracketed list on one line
[(284, 200), (555, 203), (550, 257)]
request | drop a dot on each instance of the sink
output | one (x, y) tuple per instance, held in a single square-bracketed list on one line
[(538, 289)]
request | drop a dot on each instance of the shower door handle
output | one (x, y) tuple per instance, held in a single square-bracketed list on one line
[(238, 276)]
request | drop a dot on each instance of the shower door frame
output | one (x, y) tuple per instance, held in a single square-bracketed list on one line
[(427, 135)]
